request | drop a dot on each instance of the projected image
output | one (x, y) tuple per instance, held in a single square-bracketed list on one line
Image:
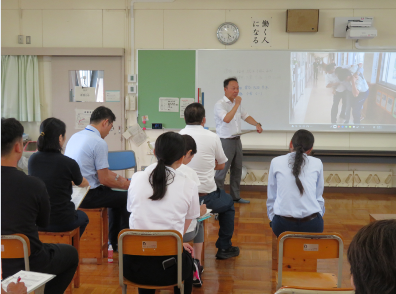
[(355, 89)]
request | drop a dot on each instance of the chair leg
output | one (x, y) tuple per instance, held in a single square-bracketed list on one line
[(182, 289), (76, 244), (124, 289)]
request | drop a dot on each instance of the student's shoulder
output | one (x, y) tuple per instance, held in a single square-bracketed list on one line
[(281, 158), (315, 161), (32, 183)]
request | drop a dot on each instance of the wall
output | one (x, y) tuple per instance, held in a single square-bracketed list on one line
[(189, 24)]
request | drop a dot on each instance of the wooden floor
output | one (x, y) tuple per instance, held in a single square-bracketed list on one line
[(251, 271)]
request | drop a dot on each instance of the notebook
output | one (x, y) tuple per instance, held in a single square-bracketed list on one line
[(32, 280), (79, 195)]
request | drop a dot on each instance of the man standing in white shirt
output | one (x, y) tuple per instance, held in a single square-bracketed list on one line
[(228, 113), (210, 157)]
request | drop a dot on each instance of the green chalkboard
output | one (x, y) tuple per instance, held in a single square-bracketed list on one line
[(164, 73)]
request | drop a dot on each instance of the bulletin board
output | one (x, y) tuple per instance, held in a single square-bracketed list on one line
[(164, 73)]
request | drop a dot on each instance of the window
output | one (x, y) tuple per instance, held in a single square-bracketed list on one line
[(388, 70)]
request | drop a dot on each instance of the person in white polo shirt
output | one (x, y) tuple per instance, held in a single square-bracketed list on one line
[(228, 113), (210, 157)]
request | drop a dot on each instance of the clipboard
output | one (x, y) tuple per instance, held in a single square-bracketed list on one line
[(244, 132), (79, 195), (32, 280)]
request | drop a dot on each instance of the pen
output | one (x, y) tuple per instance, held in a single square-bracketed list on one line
[(202, 202), (18, 280)]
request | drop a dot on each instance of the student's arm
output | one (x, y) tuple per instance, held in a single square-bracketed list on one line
[(108, 179), (219, 166), (319, 189), (44, 210), (355, 91), (186, 225), (77, 178), (84, 183), (271, 193), (220, 157)]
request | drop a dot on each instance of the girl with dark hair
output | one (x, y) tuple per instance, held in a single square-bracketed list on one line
[(295, 188), (58, 172), (162, 198), (372, 258)]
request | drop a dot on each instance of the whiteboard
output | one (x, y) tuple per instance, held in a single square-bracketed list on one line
[(264, 81)]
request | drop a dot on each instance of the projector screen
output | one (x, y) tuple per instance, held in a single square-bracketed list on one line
[(318, 91)]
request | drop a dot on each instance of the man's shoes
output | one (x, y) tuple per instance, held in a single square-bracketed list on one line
[(198, 270), (240, 200), (227, 253)]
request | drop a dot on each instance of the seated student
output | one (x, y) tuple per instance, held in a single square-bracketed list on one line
[(24, 206), (162, 199), (196, 230), (372, 258), (58, 172), (90, 150), (210, 157), (295, 188)]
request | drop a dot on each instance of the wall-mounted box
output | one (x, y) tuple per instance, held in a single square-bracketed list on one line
[(302, 20)]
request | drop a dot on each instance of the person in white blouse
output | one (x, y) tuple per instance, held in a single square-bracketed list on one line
[(228, 113), (162, 199), (295, 188), (195, 231)]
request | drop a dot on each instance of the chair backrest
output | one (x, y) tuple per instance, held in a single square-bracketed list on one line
[(16, 246), (150, 243), (298, 290), (120, 160), (310, 246)]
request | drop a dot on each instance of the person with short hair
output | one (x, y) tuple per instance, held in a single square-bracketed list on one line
[(372, 257), (210, 157), (162, 199), (339, 93), (295, 188), (58, 172), (25, 205), (90, 150), (228, 113)]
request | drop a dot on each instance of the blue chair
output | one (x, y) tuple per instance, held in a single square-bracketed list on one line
[(119, 160)]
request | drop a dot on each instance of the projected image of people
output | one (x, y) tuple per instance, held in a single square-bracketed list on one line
[(351, 89)]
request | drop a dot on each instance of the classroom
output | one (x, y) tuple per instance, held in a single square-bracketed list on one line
[(140, 53)]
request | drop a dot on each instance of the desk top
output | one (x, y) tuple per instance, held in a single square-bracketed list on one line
[(375, 217)]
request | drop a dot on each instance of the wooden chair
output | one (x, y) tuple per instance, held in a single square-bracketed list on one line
[(16, 246), (164, 243), (299, 290), (70, 238), (303, 249), (94, 241)]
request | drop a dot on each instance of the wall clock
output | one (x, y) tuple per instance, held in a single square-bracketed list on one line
[(227, 33)]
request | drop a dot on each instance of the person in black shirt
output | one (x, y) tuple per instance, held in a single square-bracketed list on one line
[(24, 206), (58, 172)]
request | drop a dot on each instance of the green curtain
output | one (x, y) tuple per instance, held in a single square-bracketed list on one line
[(20, 97)]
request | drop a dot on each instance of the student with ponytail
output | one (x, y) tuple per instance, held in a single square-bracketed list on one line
[(295, 188), (58, 172), (162, 198)]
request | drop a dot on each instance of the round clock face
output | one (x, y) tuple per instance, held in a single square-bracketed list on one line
[(227, 33)]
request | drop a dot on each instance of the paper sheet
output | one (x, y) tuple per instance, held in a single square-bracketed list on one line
[(82, 118), (138, 135), (84, 94), (32, 280), (79, 195), (113, 96), (168, 104), (184, 102)]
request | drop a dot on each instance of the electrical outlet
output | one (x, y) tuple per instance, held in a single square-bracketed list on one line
[(20, 39), (28, 40)]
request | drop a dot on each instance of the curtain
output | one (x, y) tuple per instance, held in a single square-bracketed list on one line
[(20, 97)]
